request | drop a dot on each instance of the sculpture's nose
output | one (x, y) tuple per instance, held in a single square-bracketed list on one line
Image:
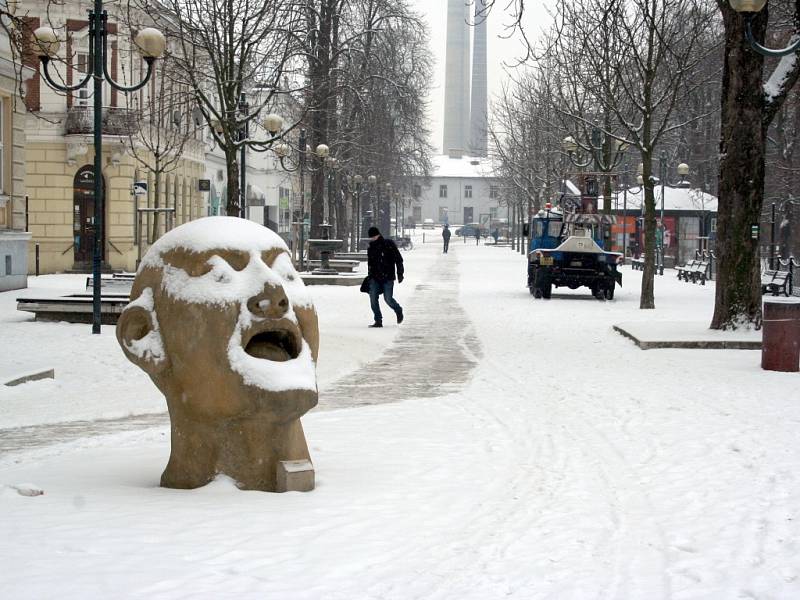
[(271, 302)]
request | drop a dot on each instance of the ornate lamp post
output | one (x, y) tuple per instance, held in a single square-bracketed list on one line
[(151, 44), (357, 180), (683, 171), (273, 124), (625, 189), (331, 164), (750, 8), (283, 151), (605, 153)]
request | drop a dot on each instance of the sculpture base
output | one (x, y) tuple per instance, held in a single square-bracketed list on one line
[(295, 476)]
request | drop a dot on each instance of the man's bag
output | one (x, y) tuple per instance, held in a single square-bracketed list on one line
[(365, 285)]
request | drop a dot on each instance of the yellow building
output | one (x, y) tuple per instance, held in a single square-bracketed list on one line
[(59, 155)]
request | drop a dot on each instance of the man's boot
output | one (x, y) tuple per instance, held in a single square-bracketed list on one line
[(377, 324), (399, 314)]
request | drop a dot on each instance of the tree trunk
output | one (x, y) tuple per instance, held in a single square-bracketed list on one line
[(741, 177), (647, 299), (232, 207)]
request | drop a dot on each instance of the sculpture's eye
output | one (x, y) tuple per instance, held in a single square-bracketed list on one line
[(237, 259), (269, 256), (282, 265)]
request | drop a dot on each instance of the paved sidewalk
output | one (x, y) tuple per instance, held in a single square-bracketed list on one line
[(432, 355)]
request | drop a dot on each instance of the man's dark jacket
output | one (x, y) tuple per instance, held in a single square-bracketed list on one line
[(446, 233), (382, 258)]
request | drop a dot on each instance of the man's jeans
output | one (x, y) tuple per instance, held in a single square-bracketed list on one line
[(376, 288)]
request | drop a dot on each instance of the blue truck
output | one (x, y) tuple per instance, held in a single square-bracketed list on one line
[(565, 250)]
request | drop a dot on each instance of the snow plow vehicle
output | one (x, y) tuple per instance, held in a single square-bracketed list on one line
[(565, 251)]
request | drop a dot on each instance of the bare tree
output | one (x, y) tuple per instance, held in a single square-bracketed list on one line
[(749, 106), (623, 68), (224, 50), (163, 127)]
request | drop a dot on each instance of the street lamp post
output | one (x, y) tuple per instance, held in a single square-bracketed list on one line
[(244, 133), (283, 152), (683, 171), (625, 190), (151, 44), (358, 180), (331, 164), (597, 147), (750, 8)]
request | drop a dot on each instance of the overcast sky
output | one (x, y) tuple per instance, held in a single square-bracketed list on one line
[(500, 50)]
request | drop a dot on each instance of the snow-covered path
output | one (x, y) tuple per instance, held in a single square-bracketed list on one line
[(570, 465), (432, 355)]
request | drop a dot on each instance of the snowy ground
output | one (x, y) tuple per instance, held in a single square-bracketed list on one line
[(572, 465)]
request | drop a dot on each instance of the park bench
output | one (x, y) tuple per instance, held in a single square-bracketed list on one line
[(112, 284), (637, 264), (776, 282), (684, 272), (694, 271)]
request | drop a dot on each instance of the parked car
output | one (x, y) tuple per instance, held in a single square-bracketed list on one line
[(469, 230), (428, 224)]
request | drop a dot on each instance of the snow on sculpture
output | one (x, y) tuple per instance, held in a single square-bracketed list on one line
[(223, 325)]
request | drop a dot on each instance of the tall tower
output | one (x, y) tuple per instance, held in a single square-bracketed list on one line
[(456, 78), (478, 143)]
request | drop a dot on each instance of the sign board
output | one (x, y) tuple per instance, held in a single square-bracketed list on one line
[(204, 185), (140, 188), (754, 231)]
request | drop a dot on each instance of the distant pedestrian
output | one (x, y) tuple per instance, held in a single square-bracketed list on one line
[(495, 235), (446, 237), (383, 258), (477, 235)]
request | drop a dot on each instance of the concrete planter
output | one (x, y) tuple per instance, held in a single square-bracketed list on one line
[(13, 260)]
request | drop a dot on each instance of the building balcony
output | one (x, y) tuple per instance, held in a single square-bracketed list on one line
[(115, 121)]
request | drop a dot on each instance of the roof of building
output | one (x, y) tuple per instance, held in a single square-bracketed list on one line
[(464, 167), (675, 198)]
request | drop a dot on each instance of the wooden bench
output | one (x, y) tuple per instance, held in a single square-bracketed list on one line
[(637, 264), (685, 270), (112, 284), (776, 282), (694, 271)]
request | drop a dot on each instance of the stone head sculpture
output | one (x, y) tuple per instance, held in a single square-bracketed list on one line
[(222, 323)]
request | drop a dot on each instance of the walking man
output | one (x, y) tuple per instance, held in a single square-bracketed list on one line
[(383, 258), (446, 237), (477, 235)]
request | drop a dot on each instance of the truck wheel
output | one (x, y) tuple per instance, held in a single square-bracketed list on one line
[(547, 289), (537, 292)]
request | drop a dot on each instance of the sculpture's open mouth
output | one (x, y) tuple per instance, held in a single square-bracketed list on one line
[(276, 344)]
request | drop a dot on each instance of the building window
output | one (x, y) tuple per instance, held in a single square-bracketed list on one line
[(83, 62), (493, 192), (417, 190), (467, 191), (492, 212), (443, 214), (417, 214), (442, 191)]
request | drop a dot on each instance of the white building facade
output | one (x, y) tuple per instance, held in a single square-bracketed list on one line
[(461, 190)]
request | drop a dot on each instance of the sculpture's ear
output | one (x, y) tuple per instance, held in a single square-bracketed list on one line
[(140, 339)]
